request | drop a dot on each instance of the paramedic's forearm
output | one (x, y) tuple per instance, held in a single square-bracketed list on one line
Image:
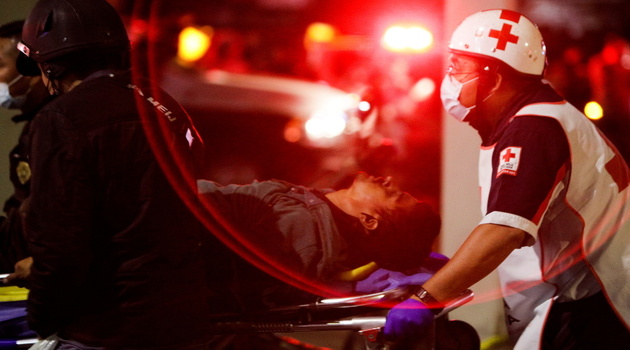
[(482, 252)]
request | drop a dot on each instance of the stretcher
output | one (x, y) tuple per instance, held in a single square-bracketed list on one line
[(364, 315)]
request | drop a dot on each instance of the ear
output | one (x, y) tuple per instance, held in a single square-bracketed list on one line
[(368, 221), (498, 79)]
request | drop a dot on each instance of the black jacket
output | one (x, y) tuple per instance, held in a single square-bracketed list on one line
[(290, 232), (116, 251)]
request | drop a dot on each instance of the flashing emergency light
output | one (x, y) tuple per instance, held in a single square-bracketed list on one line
[(409, 38), (320, 33), (193, 43), (593, 110)]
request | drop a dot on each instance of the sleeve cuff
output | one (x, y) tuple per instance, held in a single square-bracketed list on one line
[(511, 220)]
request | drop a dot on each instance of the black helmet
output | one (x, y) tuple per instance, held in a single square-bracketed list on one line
[(56, 28)]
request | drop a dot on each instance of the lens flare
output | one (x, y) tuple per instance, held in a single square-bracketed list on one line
[(410, 38), (593, 110)]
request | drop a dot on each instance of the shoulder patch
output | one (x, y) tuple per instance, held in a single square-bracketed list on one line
[(508, 161)]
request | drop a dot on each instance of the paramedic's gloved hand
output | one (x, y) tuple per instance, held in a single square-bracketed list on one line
[(408, 321), (382, 280), (378, 281)]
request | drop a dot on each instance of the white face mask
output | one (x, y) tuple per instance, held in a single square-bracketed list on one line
[(8, 101), (449, 92)]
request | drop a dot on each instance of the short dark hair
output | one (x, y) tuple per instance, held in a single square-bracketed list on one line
[(12, 30), (405, 238)]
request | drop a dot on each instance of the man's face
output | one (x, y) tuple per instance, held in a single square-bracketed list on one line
[(381, 193), (8, 55), (8, 70), (464, 69)]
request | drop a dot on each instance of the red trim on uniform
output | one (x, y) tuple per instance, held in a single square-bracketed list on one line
[(617, 167), (618, 171), (543, 206), (485, 148)]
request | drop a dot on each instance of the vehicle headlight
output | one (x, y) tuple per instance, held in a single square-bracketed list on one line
[(325, 124)]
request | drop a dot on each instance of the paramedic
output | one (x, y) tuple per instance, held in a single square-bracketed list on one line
[(555, 195)]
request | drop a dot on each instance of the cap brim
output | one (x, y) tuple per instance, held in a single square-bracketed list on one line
[(27, 66)]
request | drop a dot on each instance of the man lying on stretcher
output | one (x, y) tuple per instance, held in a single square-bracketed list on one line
[(328, 243), (324, 241)]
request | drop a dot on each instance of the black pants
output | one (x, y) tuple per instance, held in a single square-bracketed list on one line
[(585, 324)]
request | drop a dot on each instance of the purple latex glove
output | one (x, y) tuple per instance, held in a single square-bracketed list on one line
[(408, 320), (382, 280)]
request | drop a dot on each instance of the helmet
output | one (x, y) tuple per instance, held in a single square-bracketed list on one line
[(56, 28), (504, 35)]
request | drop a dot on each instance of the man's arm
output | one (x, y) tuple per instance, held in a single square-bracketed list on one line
[(482, 252)]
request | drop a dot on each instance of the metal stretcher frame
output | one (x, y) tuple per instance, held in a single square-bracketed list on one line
[(309, 318)]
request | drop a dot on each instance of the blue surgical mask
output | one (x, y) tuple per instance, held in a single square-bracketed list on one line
[(449, 92), (8, 101)]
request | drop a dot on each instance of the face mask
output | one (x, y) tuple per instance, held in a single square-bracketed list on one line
[(449, 92), (8, 101)]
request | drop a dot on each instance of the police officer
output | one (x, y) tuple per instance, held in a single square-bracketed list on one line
[(115, 250)]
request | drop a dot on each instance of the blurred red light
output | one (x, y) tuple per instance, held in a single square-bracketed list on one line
[(410, 38)]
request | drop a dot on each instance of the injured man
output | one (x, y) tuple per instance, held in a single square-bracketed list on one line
[(290, 244), (326, 242)]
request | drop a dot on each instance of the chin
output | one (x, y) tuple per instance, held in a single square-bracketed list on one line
[(361, 175)]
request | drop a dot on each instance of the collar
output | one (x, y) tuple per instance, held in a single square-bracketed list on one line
[(490, 134), (348, 225)]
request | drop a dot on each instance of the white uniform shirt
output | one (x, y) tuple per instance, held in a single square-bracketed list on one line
[(571, 209)]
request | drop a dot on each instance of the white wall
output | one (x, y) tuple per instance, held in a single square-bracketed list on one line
[(460, 190)]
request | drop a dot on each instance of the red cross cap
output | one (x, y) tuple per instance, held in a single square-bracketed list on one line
[(504, 35)]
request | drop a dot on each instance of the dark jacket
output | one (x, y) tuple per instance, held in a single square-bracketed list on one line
[(289, 231), (116, 251)]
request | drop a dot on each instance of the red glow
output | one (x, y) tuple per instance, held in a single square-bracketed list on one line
[(320, 33), (181, 176), (401, 39)]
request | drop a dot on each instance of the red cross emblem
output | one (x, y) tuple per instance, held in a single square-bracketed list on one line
[(508, 155), (504, 36), (509, 160)]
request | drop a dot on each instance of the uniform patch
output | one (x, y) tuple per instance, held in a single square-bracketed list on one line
[(508, 161), (23, 171)]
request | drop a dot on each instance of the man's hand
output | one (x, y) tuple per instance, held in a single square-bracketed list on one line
[(20, 276), (408, 321)]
